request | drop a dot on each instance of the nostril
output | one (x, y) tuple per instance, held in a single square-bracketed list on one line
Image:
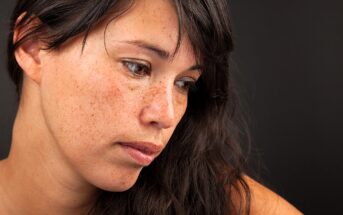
[(154, 123), (162, 124)]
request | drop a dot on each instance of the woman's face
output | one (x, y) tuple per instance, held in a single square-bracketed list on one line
[(112, 107)]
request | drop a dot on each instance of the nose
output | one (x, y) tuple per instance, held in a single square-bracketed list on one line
[(158, 107)]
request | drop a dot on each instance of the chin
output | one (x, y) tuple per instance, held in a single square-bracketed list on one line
[(118, 188), (117, 184)]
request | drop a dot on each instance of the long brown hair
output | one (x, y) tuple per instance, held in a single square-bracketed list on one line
[(202, 165)]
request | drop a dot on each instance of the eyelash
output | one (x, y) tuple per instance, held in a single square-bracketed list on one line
[(188, 84), (144, 69), (183, 84)]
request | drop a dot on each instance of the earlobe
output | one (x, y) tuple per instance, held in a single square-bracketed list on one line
[(28, 52)]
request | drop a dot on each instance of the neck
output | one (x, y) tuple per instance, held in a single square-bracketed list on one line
[(34, 179)]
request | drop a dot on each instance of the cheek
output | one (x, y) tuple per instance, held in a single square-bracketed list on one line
[(181, 103), (80, 106)]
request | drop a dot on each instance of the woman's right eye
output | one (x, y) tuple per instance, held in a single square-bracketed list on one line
[(137, 69)]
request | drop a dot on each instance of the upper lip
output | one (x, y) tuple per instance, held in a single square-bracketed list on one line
[(145, 147)]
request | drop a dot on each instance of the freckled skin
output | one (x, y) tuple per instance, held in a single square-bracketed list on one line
[(90, 101)]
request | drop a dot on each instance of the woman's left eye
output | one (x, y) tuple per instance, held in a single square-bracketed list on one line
[(185, 83), (138, 69)]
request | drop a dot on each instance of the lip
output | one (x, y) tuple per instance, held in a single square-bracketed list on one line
[(142, 152)]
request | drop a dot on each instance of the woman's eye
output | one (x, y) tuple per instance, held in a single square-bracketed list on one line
[(185, 83), (137, 69)]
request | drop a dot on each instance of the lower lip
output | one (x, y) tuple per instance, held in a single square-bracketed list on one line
[(138, 156)]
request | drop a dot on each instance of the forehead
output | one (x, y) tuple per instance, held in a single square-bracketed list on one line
[(152, 21)]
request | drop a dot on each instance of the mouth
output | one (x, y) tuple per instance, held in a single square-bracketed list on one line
[(142, 152)]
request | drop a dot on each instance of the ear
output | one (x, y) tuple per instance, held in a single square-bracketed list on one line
[(28, 53)]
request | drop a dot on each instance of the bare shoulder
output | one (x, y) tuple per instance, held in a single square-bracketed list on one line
[(266, 202)]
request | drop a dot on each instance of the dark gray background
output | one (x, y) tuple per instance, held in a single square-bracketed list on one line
[(289, 63)]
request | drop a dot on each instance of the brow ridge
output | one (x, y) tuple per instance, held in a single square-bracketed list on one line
[(150, 47)]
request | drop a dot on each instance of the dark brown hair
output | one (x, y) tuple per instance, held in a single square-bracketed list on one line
[(202, 165)]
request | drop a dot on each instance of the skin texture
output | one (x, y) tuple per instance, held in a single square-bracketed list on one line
[(76, 106), (79, 104)]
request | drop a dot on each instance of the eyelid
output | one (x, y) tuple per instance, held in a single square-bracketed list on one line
[(188, 82), (190, 78), (138, 61), (146, 67), (193, 75)]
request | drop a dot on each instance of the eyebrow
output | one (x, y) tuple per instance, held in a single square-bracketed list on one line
[(158, 51), (196, 67), (150, 47)]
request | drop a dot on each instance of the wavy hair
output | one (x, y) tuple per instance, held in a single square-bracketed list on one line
[(201, 169)]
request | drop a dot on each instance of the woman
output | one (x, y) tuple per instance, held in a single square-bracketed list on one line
[(104, 86)]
